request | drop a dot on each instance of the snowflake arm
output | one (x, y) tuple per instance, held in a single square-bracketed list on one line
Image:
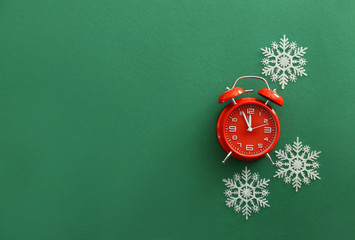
[(268, 70), (299, 71), (268, 52), (230, 183), (299, 52)]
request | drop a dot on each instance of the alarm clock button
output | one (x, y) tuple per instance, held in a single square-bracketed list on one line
[(230, 94), (272, 96)]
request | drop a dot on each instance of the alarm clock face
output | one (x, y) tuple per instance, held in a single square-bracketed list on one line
[(251, 129)]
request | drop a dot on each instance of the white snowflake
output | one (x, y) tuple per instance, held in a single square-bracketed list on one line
[(246, 192), (286, 64), (297, 164)]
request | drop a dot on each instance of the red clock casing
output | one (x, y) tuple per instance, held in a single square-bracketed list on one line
[(248, 143)]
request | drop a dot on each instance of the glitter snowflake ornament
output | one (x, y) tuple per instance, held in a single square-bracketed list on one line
[(246, 192), (284, 61), (297, 164)]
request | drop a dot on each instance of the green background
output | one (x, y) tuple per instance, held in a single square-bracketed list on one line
[(108, 112)]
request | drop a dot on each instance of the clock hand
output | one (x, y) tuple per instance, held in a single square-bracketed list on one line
[(246, 120), (250, 129), (261, 125), (248, 123)]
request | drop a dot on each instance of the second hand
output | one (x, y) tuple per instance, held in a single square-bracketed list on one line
[(260, 126)]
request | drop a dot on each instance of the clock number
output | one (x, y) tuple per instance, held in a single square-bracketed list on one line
[(249, 147), (234, 137), (266, 139), (241, 113), (240, 144), (232, 128), (266, 121), (260, 145), (234, 119), (267, 129), (250, 110), (260, 113)]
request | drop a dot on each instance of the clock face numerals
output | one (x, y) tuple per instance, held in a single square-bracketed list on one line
[(250, 129)]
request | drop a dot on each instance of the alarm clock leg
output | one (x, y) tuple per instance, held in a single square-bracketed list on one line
[(270, 159), (228, 155)]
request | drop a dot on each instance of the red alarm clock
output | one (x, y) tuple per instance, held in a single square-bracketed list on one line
[(248, 128)]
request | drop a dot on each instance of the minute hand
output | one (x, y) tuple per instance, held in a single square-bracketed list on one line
[(260, 126), (246, 120)]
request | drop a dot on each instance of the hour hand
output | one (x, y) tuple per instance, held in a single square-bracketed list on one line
[(248, 123)]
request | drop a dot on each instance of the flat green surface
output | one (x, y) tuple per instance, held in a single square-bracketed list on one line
[(108, 113)]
